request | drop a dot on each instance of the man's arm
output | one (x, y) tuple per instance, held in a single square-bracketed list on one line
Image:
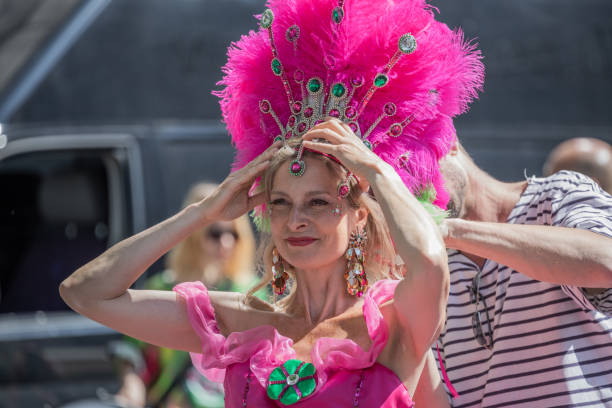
[(566, 256)]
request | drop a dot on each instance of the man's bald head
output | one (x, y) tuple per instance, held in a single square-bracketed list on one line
[(589, 156)]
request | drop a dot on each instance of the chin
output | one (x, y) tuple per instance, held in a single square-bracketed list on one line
[(304, 260), (314, 261)]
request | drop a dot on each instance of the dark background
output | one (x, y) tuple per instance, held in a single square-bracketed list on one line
[(548, 62), (548, 71)]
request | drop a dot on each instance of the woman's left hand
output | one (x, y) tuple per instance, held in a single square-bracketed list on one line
[(344, 145)]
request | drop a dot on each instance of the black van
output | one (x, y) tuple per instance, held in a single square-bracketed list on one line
[(106, 119), (67, 195)]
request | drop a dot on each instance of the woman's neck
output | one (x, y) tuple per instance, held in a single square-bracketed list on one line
[(321, 293)]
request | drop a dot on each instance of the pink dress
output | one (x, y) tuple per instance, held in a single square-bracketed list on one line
[(346, 375)]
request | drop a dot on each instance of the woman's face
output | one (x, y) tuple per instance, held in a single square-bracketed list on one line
[(219, 240), (304, 228)]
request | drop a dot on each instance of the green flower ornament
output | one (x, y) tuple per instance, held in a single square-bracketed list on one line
[(291, 382)]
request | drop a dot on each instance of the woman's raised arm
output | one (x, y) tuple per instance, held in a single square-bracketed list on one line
[(100, 288), (420, 298)]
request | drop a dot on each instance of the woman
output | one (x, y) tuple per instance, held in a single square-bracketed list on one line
[(221, 255), (390, 77), (313, 241)]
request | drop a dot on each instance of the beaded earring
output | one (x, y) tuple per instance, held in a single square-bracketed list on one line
[(279, 276), (344, 189), (337, 210), (355, 275)]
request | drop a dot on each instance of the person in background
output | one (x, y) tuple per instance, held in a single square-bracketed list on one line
[(529, 315), (589, 156), (221, 255)]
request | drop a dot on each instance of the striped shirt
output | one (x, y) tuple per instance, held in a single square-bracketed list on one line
[(552, 344)]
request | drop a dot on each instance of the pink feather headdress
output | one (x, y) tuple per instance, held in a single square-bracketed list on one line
[(387, 68)]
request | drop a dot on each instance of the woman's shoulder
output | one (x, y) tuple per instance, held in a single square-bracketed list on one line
[(234, 312), (229, 312), (237, 312)]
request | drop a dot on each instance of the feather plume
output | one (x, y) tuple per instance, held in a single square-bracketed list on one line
[(429, 87)]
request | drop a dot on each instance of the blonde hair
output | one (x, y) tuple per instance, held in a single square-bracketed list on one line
[(185, 259), (380, 264)]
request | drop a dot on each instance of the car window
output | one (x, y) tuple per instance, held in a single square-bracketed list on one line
[(56, 213)]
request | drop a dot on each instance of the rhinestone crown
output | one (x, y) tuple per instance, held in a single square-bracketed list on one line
[(319, 100)]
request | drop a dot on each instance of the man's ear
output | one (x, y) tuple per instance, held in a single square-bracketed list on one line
[(454, 151)]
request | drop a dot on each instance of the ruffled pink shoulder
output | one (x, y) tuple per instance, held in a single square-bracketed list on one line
[(262, 345), (265, 348)]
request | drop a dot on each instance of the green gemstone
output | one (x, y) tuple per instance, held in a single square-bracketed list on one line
[(314, 85), (338, 90), (368, 144), (277, 68), (337, 15), (381, 80)]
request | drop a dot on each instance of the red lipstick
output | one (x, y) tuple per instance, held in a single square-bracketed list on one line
[(300, 241)]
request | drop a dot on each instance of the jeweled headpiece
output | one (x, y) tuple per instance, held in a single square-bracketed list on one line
[(387, 68)]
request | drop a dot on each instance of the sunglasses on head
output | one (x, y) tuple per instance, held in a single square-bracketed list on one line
[(217, 232)]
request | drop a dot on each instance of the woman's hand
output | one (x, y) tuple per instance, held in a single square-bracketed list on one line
[(100, 288), (344, 145), (231, 199)]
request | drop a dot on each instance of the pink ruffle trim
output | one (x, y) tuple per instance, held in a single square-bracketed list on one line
[(266, 348)]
